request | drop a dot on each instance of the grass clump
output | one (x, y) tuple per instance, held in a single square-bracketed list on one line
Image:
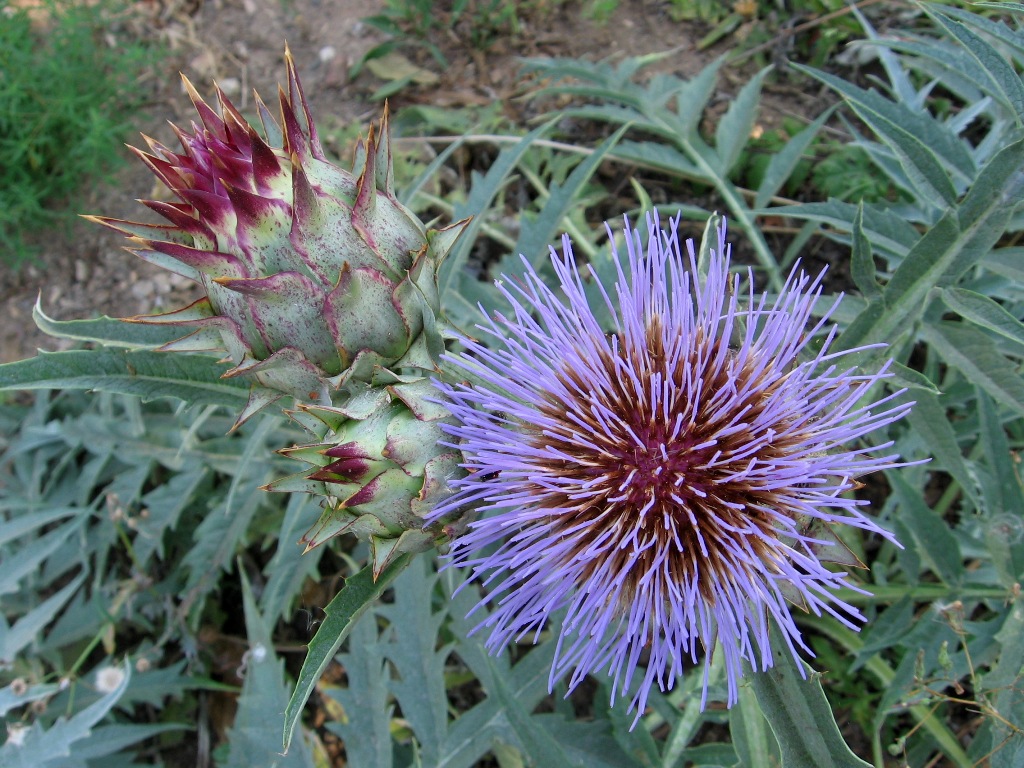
[(68, 89)]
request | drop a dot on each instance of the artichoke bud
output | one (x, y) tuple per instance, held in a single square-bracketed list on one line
[(314, 276), (380, 469)]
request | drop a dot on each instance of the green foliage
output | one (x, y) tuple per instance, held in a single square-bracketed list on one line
[(342, 615), (601, 10), (824, 168), (66, 102), (108, 562), (253, 737), (958, 170), (63, 743), (408, 21), (847, 173), (754, 26), (365, 722), (761, 151), (145, 373), (425, 24), (703, 10), (932, 235), (462, 290), (664, 114), (825, 28), (790, 698), (125, 527)]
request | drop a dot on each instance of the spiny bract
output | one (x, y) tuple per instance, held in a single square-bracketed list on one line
[(314, 276), (381, 469)]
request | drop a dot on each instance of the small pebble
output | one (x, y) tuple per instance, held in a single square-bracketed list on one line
[(231, 86), (142, 289)]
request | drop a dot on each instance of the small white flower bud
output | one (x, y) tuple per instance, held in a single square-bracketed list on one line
[(108, 679), (16, 733)]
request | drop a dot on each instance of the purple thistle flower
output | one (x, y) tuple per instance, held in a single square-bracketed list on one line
[(672, 483)]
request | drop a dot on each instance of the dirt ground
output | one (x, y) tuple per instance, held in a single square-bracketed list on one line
[(239, 43)]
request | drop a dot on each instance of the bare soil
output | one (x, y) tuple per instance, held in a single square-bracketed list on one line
[(239, 44)]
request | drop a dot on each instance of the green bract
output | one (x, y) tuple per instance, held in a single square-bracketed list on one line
[(314, 275), (380, 468)]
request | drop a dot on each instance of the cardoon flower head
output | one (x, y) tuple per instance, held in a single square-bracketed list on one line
[(672, 480)]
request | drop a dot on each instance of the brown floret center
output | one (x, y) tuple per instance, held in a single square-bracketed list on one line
[(682, 486)]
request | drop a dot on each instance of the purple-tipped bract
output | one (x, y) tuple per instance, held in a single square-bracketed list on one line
[(313, 275), (672, 479)]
